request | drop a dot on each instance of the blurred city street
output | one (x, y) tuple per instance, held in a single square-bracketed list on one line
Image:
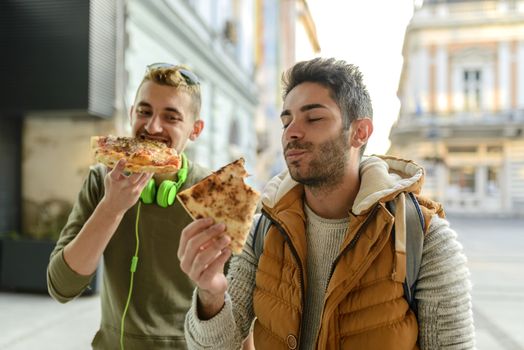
[(441, 80), (495, 249)]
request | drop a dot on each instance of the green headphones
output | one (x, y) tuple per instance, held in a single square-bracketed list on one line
[(164, 197), (167, 191)]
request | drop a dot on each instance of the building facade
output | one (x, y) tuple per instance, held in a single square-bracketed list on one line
[(462, 103), (214, 38), (89, 57), (285, 32)]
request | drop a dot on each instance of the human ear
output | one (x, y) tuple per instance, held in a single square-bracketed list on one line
[(198, 126), (361, 130)]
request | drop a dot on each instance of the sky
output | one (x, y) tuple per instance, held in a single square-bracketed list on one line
[(370, 34)]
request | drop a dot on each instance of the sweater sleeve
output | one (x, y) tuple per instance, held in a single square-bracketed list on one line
[(63, 283), (443, 292), (228, 328)]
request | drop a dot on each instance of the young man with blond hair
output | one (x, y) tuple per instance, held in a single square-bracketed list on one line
[(146, 309)]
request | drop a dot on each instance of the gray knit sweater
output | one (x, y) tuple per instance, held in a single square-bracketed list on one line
[(443, 296), (324, 237)]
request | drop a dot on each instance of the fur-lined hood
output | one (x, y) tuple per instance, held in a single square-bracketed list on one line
[(382, 178)]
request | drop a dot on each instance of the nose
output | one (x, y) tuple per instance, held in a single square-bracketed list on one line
[(293, 131), (154, 125)]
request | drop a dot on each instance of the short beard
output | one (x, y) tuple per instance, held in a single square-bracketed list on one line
[(326, 170)]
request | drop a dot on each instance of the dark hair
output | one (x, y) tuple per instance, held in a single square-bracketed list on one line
[(342, 79)]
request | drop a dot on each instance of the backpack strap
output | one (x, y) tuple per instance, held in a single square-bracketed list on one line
[(415, 241), (414, 224), (259, 235)]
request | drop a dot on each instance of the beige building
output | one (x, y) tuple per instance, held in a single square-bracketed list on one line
[(238, 48), (88, 86), (462, 103), (285, 32)]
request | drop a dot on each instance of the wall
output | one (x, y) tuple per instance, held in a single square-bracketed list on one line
[(55, 160)]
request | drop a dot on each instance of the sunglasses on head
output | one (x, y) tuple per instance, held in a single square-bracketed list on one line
[(189, 76)]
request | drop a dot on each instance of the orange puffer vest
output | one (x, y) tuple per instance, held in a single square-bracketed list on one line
[(364, 307)]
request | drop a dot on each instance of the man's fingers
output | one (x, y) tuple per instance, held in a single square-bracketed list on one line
[(200, 241), (118, 170), (140, 178), (133, 178), (217, 266), (206, 257), (145, 179), (191, 230), (193, 245)]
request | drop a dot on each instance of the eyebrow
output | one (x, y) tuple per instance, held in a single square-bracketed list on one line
[(167, 109), (303, 108)]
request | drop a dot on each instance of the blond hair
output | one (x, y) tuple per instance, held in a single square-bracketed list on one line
[(171, 76)]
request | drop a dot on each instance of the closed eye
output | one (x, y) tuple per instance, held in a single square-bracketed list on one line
[(286, 120), (143, 113), (173, 118)]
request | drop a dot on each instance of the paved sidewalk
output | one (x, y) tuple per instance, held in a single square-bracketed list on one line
[(495, 250), (29, 321)]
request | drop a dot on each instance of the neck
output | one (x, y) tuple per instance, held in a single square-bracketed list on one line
[(334, 202)]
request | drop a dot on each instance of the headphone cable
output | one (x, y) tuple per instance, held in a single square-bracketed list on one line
[(134, 263)]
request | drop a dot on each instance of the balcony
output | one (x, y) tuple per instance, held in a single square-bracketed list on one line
[(460, 125), (453, 13)]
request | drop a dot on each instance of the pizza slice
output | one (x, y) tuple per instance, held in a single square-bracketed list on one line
[(142, 155), (225, 197)]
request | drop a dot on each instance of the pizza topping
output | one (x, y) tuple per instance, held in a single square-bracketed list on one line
[(140, 154), (225, 197)]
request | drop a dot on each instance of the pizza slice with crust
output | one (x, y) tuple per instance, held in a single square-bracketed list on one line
[(142, 155), (224, 197)]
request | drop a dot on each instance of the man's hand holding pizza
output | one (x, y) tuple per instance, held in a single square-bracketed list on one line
[(122, 191), (223, 207), (203, 252), (140, 158), (83, 253)]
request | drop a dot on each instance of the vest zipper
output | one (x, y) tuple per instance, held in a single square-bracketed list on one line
[(297, 258), (350, 246)]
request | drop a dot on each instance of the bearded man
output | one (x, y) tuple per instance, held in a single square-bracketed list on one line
[(332, 269)]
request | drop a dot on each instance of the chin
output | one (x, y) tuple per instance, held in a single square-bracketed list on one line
[(295, 174)]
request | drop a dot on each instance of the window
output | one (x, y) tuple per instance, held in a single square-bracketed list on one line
[(235, 150), (492, 183), (462, 179), (462, 149), (472, 89), (234, 133), (492, 149)]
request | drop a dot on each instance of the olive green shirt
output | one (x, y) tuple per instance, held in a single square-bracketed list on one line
[(161, 291)]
